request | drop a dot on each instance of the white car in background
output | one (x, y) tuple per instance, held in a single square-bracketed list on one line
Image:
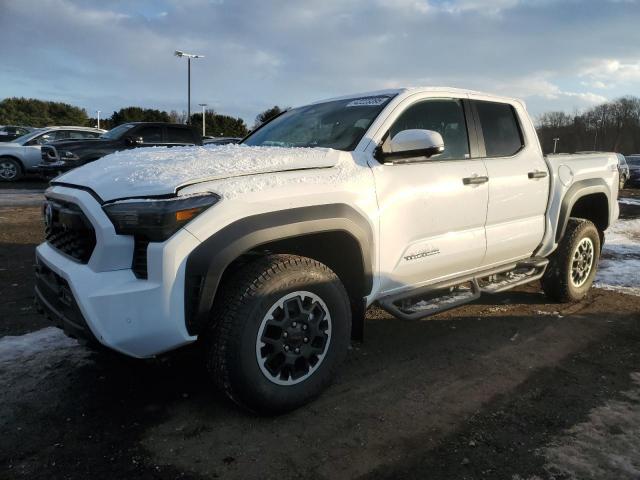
[(22, 155)]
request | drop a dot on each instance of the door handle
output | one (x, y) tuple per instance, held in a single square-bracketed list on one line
[(537, 174), (475, 180)]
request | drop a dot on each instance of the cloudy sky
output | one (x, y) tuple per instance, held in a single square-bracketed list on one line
[(557, 55)]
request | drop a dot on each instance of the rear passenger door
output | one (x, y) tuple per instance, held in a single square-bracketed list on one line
[(175, 136), (518, 182), (151, 135)]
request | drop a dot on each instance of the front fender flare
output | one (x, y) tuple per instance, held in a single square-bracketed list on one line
[(207, 263)]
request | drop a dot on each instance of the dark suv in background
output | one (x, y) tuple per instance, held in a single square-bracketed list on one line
[(633, 161), (66, 155)]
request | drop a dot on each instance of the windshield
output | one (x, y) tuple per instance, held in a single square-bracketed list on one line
[(118, 131), (338, 124), (635, 161)]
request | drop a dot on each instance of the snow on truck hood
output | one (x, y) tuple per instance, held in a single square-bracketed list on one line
[(159, 171)]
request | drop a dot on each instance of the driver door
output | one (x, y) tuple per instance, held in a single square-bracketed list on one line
[(432, 220)]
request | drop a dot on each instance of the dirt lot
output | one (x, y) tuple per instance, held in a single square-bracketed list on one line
[(512, 387)]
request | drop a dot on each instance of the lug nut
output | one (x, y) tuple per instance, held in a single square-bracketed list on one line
[(304, 327), (285, 335), (294, 324), (297, 350), (286, 348), (305, 340)]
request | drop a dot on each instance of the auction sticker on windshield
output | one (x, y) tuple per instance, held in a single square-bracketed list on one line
[(368, 102)]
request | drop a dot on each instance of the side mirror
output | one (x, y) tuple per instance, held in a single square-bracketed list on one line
[(133, 141), (412, 144)]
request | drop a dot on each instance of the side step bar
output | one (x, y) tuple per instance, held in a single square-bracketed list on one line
[(425, 301), (526, 271)]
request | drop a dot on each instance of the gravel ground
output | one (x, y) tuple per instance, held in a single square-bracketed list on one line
[(510, 387)]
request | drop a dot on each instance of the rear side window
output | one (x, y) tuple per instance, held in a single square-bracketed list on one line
[(445, 116), (83, 134), (179, 135), (150, 134), (502, 136)]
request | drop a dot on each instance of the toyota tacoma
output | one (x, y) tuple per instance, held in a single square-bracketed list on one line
[(268, 253)]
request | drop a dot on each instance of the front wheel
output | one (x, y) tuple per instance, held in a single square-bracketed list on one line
[(572, 267), (10, 169), (280, 329)]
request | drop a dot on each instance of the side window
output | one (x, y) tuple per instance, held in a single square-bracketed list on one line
[(179, 135), (502, 136), (149, 134), (445, 116), (53, 136), (82, 134)]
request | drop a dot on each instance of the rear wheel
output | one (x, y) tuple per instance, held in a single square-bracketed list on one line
[(281, 327), (572, 267), (10, 169)]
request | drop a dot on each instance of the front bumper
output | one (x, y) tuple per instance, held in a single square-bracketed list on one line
[(56, 301), (103, 299)]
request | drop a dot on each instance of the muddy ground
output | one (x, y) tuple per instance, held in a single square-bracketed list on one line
[(511, 387)]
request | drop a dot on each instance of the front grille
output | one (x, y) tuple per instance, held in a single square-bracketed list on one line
[(68, 230), (139, 263)]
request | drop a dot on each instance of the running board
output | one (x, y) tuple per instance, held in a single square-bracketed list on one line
[(422, 303), (526, 271), (425, 301)]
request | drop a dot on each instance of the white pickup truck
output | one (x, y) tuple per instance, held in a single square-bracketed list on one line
[(269, 252)]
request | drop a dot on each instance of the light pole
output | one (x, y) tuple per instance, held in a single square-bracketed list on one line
[(555, 144), (203, 119), (189, 56), (98, 112)]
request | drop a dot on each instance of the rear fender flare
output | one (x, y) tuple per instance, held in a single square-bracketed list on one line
[(578, 190)]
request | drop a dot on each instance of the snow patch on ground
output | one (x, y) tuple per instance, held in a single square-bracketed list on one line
[(619, 267), (28, 359), (605, 446), (629, 201)]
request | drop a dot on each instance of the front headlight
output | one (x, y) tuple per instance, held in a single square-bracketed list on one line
[(157, 219), (67, 155)]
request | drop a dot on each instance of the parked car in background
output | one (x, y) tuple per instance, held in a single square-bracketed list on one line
[(220, 140), (22, 155), (11, 132), (63, 156), (623, 169), (633, 163)]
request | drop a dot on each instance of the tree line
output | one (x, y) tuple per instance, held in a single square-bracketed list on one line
[(611, 127), (41, 113)]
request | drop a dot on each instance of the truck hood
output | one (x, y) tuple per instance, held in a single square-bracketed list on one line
[(149, 172)]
